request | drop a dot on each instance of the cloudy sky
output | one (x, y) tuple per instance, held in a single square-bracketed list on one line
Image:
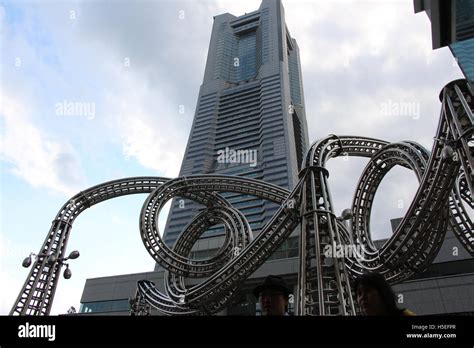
[(136, 67)]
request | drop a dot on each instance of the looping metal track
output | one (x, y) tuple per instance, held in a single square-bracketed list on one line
[(446, 188)]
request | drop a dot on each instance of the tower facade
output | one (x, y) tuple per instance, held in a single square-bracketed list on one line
[(250, 117)]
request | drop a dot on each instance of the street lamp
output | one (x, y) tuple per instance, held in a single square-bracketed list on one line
[(346, 218), (51, 260), (346, 214)]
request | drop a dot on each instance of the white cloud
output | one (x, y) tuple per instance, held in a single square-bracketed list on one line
[(11, 282), (236, 8), (147, 123), (68, 294), (34, 157), (150, 148), (8, 293)]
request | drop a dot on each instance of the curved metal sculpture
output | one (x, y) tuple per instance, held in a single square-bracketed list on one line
[(446, 179)]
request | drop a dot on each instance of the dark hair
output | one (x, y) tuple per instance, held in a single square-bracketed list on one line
[(273, 282), (378, 282)]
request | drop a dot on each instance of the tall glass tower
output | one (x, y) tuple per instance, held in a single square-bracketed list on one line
[(452, 24), (463, 47), (250, 118)]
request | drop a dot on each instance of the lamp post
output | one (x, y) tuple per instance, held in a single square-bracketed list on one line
[(346, 218), (52, 259)]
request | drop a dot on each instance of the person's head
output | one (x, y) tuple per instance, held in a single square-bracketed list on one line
[(273, 295), (374, 295)]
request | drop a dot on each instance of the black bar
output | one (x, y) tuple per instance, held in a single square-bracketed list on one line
[(225, 330)]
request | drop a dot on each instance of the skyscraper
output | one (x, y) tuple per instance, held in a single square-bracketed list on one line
[(249, 121), (452, 24), (250, 117)]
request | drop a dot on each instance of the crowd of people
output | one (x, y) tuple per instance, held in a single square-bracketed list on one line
[(373, 294)]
